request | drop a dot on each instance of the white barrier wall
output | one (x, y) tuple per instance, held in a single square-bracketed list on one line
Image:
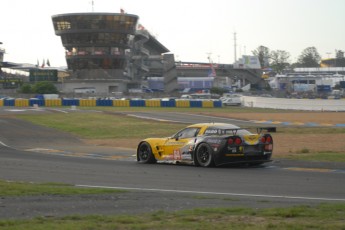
[(295, 104)]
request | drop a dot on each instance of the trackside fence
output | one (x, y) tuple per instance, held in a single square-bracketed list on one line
[(19, 102), (295, 104)]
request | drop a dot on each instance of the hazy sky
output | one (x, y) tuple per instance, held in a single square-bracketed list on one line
[(188, 28)]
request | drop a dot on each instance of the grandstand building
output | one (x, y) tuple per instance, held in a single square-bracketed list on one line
[(110, 52)]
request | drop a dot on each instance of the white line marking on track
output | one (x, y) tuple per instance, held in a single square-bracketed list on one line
[(59, 110), (206, 116), (3, 144), (150, 118), (218, 193)]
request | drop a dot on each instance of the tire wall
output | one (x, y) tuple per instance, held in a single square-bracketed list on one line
[(34, 102)]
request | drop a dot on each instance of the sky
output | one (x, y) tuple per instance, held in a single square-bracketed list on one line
[(192, 30)]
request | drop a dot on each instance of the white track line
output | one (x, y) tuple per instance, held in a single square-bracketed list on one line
[(218, 193), (3, 144)]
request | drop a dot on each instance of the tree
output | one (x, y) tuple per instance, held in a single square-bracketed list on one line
[(26, 88), (217, 90), (279, 60), (309, 58), (263, 54), (339, 54), (339, 58), (44, 88)]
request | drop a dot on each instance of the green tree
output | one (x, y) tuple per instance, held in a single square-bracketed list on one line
[(44, 88), (26, 88), (279, 60), (217, 90), (309, 58), (263, 54), (339, 58), (339, 54)]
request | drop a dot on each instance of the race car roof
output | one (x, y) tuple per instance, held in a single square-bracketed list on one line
[(216, 125)]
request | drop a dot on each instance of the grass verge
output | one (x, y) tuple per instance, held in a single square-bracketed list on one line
[(104, 126), (114, 126), (317, 156), (324, 216), (8, 188)]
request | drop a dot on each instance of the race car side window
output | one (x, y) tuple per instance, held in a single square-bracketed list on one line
[(187, 133)]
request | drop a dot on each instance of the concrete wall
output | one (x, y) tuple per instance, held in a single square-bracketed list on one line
[(295, 104)]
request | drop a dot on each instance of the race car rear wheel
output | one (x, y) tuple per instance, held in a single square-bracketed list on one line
[(145, 154), (203, 156)]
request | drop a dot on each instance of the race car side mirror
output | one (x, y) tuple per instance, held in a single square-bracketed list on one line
[(177, 136)]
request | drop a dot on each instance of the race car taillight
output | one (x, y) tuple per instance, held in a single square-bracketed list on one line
[(268, 142), (266, 139), (238, 141), (230, 141), (269, 139), (234, 141)]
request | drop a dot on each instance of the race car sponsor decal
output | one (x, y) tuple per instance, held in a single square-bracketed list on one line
[(175, 143), (177, 154), (211, 131), (232, 149), (214, 141)]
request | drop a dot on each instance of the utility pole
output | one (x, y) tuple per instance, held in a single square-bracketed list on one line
[(209, 57), (235, 47)]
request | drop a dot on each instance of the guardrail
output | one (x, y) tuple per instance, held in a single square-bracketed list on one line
[(19, 102), (294, 104)]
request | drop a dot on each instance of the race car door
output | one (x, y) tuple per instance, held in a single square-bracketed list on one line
[(178, 146)]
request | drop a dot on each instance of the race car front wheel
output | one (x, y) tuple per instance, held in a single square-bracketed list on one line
[(145, 154), (203, 156)]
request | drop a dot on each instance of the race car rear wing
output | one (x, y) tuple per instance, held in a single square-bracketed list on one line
[(267, 129), (235, 130)]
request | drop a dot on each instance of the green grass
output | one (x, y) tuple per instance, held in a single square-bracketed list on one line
[(324, 216), (109, 126), (28, 189), (95, 125), (317, 156), (104, 126)]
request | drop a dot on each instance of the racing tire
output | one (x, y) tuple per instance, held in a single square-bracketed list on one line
[(144, 154), (204, 156)]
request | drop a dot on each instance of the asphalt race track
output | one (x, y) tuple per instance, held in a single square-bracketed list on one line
[(151, 187)]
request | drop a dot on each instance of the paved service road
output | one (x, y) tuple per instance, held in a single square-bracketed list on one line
[(152, 187)]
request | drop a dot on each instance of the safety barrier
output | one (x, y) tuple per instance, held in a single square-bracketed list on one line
[(19, 102), (70, 102), (104, 103), (121, 103), (87, 102), (170, 103), (52, 102), (36, 102), (183, 103), (152, 103), (137, 103)]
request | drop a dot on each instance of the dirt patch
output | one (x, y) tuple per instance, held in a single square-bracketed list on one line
[(292, 143)]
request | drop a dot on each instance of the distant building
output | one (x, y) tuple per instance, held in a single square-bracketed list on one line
[(110, 52)]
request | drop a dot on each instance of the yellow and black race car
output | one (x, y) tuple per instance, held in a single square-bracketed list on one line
[(209, 144)]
